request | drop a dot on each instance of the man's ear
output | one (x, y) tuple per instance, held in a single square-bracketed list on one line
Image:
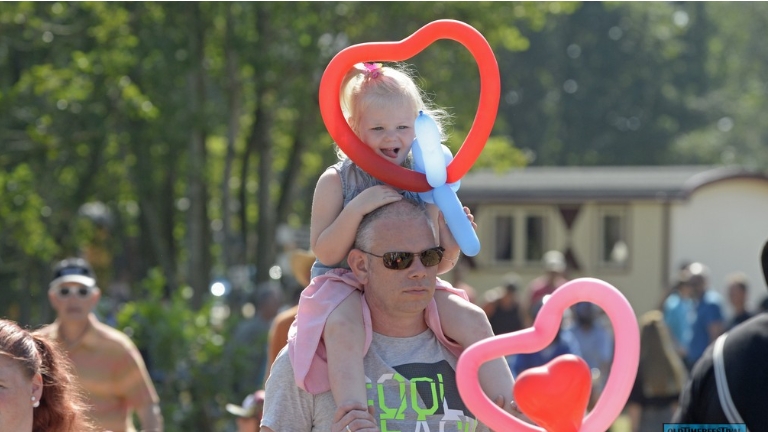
[(358, 263), (53, 299), (95, 297)]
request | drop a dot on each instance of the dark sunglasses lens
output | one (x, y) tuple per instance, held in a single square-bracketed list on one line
[(431, 257), (403, 260), (398, 260), (80, 292)]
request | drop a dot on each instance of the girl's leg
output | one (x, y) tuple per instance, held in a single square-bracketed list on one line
[(344, 336), (466, 323)]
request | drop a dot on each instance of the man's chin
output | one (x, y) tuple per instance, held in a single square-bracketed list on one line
[(75, 315), (416, 300)]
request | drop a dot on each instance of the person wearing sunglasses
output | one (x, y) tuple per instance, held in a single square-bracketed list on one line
[(106, 362), (410, 371)]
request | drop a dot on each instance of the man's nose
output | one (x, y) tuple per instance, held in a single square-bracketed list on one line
[(417, 270)]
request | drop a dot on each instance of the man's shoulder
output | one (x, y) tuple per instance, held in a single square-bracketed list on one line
[(49, 331), (672, 301), (282, 364), (711, 303), (752, 334), (112, 338), (288, 407), (281, 373), (712, 296)]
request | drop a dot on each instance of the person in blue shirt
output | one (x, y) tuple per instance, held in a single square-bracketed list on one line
[(679, 314), (709, 323)]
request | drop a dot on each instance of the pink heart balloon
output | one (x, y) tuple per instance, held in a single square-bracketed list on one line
[(620, 380)]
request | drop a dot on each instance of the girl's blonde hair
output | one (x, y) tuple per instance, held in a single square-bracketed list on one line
[(373, 85), (663, 371)]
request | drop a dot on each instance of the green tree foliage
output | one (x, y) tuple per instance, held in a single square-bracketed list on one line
[(184, 350), (735, 66), (609, 84), (195, 125)]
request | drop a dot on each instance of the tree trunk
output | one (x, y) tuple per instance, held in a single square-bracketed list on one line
[(292, 168), (265, 227), (198, 272), (233, 128)]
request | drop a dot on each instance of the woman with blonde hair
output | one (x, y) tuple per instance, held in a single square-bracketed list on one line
[(660, 376), (37, 390)]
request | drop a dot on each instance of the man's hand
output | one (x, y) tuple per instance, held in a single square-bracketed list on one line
[(354, 417), (512, 409)]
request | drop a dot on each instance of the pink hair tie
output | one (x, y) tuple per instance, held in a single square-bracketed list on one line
[(372, 70)]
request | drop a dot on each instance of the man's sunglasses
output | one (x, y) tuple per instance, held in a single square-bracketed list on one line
[(81, 292), (403, 260)]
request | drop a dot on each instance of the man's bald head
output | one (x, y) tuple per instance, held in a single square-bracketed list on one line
[(403, 210)]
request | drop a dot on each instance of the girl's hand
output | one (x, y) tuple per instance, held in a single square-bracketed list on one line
[(446, 237), (373, 198), (447, 240), (471, 217)]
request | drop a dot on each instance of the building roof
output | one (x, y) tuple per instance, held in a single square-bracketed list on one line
[(608, 183)]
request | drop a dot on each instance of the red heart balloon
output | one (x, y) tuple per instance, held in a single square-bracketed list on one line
[(364, 156), (565, 380)]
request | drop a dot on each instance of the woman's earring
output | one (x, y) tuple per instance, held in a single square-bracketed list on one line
[(36, 402)]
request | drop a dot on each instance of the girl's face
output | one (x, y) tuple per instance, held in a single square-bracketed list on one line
[(16, 391), (388, 130)]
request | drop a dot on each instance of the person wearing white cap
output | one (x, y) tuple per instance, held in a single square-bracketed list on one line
[(106, 362), (249, 413)]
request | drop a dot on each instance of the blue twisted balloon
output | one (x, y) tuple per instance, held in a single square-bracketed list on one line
[(431, 158)]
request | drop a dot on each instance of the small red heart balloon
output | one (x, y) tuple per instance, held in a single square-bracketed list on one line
[(365, 157), (555, 395)]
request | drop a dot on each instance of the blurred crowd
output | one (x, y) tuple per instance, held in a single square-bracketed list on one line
[(108, 371), (673, 337)]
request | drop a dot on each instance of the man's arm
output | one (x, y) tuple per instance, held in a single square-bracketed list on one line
[(716, 326), (151, 418), (715, 329), (135, 385)]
